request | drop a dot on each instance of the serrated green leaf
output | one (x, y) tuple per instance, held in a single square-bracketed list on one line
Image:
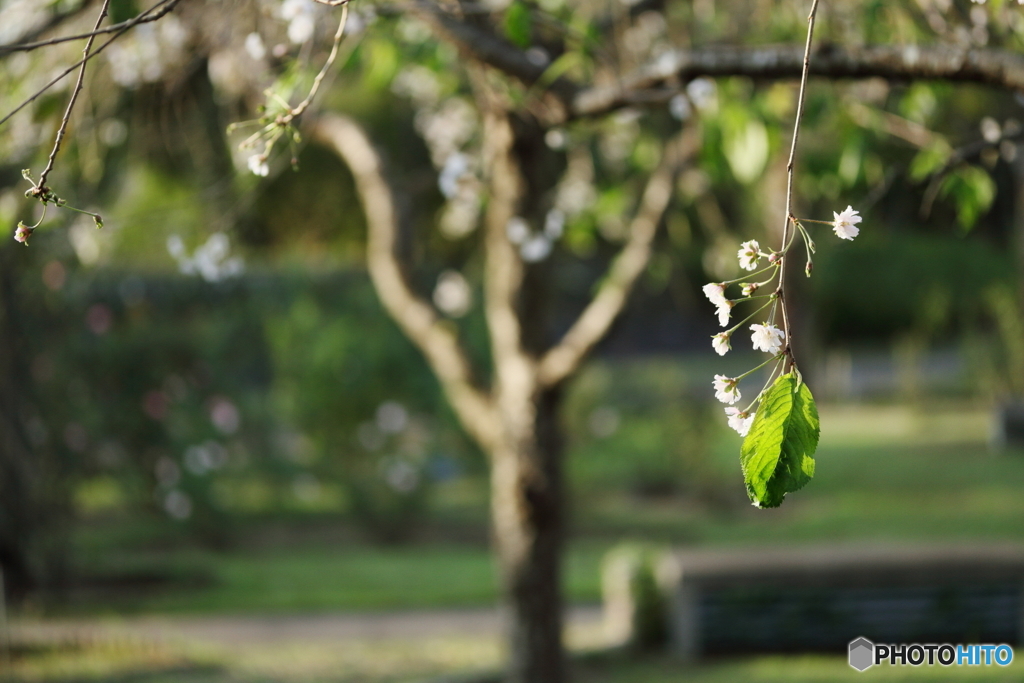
[(777, 457), (517, 24)]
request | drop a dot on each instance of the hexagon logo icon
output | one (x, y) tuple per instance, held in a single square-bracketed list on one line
[(862, 654)]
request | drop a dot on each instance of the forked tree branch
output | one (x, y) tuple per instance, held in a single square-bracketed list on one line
[(504, 268), (414, 315), (564, 358)]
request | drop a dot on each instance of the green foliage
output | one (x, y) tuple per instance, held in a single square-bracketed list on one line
[(894, 270), (930, 159), (777, 456), (517, 24), (973, 190), (348, 381)]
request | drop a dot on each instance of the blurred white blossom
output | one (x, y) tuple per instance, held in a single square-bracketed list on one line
[(258, 165), (452, 295), (254, 46), (535, 249), (210, 261), (146, 53), (301, 16), (518, 230)]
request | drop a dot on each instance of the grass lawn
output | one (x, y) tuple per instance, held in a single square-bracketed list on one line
[(882, 474), (309, 579), (889, 475)]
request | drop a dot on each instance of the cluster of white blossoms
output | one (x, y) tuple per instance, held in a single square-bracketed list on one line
[(766, 337), (211, 260)]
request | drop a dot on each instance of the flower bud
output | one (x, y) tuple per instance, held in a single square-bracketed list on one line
[(22, 233), (774, 257), (808, 268)]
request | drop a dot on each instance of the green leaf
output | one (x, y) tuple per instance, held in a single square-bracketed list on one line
[(517, 24), (777, 456)]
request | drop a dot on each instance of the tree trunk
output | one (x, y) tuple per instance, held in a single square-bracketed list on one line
[(526, 510)]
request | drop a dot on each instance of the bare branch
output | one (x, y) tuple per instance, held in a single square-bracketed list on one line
[(415, 316), (143, 18), (593, 324), (41, 185), (999, 68), (658, 82)]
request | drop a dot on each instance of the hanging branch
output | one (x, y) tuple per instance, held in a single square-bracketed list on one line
[(273, 127), (790, 219), (781, 422)]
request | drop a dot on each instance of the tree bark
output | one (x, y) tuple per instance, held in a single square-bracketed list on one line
[(527, 518)]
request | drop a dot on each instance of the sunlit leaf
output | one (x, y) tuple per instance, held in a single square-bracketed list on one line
[(777, 456)]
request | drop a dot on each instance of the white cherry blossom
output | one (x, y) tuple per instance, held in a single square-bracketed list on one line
[(767, 338), (726, 389), (715, 292), (720, 343), (845, 223), (739, 420), (724, 311), (749, 255)]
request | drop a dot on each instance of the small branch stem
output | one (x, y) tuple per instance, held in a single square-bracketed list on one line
[(790, 218), (745, 320), (304, 104), (753, 370), (74, 98), (143, 18)]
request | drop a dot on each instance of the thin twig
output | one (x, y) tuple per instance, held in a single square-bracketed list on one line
[(68, 70), (41, 185), (143, 18), (304, 104), (789, 178)]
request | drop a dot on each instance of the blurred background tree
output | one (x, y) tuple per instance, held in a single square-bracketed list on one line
[(520, 140)]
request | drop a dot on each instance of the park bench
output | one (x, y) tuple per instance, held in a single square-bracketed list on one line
[(821, 598)]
